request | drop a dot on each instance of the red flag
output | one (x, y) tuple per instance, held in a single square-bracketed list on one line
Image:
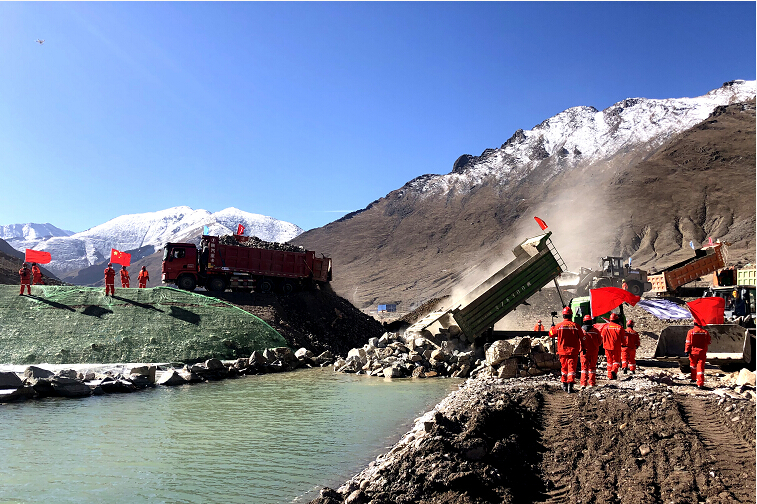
[(542, 224), (607, 299), (37, 256), (118, 257), (708, 310), (240, 229)]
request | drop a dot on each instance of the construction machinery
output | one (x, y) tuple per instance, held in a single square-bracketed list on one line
[(613, 273), (732, 346), (707, 260), (536, 264)]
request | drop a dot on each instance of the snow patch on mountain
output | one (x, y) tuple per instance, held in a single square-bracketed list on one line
[(149, 232), (584, 135), (31, 231)]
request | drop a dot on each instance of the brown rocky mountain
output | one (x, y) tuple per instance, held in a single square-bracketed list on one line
[(646, 200)]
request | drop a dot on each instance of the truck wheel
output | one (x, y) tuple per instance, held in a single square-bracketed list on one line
[(635, 288), (265, 286), (287, 288), (603, 282), (216, 284), (186, 282)]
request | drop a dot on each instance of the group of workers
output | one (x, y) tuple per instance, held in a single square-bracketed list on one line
[(33, 276), (620, 345), (110, 278)]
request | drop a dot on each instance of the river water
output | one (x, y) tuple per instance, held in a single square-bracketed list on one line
[(273, 438)]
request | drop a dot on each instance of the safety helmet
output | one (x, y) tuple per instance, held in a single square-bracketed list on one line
[(629, 323), (538, 321), (567, 311), (614, 317), (143, 267), (110, 265), (24, 265), (587, 318)]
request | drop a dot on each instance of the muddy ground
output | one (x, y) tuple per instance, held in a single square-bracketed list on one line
[(635, 440)]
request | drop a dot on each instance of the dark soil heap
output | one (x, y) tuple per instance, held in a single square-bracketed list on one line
[(317, 319), (255, 242)]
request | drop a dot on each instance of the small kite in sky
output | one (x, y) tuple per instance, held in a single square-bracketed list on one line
[(40, 42)]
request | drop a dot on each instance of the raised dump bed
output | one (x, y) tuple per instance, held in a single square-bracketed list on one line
[(732, 347), (707, 260), (536, 264)]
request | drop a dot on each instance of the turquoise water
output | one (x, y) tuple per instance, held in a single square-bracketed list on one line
[(260, 439)]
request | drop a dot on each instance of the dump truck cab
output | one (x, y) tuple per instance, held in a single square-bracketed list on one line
[(180, 265)]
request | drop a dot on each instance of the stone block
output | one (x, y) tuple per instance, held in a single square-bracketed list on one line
[(499, 351)]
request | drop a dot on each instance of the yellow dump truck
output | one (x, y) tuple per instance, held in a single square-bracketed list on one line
[(707, 260)]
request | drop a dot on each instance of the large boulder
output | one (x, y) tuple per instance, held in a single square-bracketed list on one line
[(171, 378), (508, 368), (498, 352), (745, 377), (10, 380), (34, 373), (13, 394), (522, 346)]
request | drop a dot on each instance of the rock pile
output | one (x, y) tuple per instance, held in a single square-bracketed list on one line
[(37, 382), (255, 242), (448, 353)]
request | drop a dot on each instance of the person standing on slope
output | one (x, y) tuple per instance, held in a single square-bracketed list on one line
[(697, 341), (143, 278), (628, 349), (568, 345), (612, 337), (36, 275), (124, 277), (25, 275), (110, 280), (590, 342)]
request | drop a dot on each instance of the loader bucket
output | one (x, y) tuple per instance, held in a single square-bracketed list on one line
[(732, 345)]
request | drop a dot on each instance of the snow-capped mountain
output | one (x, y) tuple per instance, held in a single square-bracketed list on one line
[(584, 135), (31, 231), (147, 232)]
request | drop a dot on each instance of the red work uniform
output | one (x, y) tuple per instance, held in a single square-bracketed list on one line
[(568, 346), (143, 278), (590, 342), (36, 275), (628, 349), (110, 280), (612, 337), (124, 278), (697, 341), (25, 274), (539, 327)]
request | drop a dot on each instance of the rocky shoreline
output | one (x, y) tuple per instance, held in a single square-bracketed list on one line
[(37, 382)]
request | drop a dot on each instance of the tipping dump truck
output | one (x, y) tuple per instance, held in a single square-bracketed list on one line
[(536, 264), (218, 266), (707, 260)]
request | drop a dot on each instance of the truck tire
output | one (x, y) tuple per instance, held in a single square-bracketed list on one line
[(635, 288), (186, 282), (216, 284), (265, 286), (287, 287)]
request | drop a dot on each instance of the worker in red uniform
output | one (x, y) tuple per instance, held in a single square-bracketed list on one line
[(612, 337), (143, 277), (36, 275), (539, 327), (697, 341), (110, 280), (568, 346), (628, 349), (124, 277), (25, 276), (590, 342)]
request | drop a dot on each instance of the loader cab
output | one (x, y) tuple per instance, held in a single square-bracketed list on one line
[(746, 293), (612, 266)]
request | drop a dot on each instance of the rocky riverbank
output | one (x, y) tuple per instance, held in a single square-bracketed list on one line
[(40, 382)]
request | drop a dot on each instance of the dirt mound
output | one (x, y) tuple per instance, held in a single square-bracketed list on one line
[(317, 319), (527, 441)]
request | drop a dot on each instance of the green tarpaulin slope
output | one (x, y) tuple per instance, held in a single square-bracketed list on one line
[(66, 325)]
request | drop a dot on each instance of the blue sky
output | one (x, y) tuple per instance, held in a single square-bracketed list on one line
[(305, 111)]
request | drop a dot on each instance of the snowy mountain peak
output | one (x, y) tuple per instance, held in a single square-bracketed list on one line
[(584, 134), (31, 231), (147, 232)]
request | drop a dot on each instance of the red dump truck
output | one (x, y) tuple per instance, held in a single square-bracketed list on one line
[(707, 260), (218, 266)]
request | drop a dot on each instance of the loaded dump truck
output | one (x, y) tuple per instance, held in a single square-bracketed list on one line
[(536, 264), (708, 260), (218, 266)]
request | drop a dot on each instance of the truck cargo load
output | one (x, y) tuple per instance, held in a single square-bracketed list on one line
[(536, 264), (707, 260)]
